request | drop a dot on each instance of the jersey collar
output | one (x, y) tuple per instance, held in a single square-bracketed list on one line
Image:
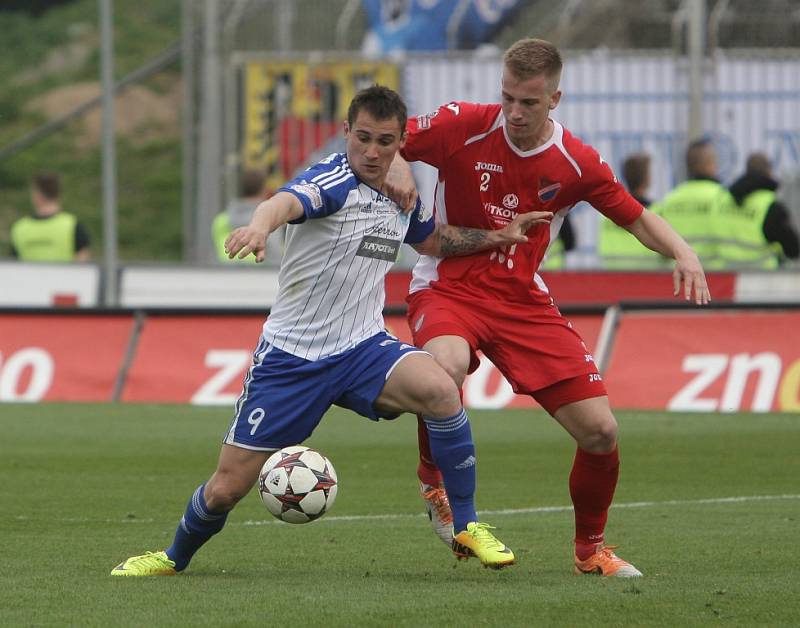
[(555, 138)]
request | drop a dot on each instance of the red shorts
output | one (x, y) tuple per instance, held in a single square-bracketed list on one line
[(533, 346)]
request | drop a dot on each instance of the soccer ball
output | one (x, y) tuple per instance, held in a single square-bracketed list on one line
[(297, 484)]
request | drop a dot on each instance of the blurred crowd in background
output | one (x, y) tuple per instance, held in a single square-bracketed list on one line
[(170, 211)]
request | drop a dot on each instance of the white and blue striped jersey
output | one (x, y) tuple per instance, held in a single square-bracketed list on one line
[(331, 281)]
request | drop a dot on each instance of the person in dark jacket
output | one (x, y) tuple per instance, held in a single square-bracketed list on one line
[(754, 193)]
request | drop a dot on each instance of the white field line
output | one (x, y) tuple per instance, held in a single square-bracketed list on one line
[(546, 509), (508, 511)]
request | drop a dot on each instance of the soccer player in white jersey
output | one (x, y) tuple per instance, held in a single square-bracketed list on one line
[(324, 342), (493, 159)]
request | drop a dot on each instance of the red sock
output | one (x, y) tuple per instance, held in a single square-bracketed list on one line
[(591, 485), (427, 471)]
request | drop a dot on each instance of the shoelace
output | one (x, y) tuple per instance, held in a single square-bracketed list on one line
[(152, 559), (481, 532), (608, 552), (438, 498)]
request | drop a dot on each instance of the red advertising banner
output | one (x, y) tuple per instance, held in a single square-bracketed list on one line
[(707, 361), (736, 360), (52, 357), (192, 359)]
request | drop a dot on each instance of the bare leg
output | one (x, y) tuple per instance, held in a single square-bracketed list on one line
[(207, 510)]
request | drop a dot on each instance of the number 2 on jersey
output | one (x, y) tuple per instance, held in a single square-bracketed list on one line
[(485, 176)]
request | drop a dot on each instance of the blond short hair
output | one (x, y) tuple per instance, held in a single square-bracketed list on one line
[(530, 57)]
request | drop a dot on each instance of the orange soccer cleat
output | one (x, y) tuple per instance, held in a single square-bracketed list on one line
[(438, 508), (605, 562)]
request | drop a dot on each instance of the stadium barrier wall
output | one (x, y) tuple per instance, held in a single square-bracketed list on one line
[(43, 284), (738, 358), (180, 286)]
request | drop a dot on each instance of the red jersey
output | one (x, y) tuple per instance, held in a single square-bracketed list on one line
[(484, 181)]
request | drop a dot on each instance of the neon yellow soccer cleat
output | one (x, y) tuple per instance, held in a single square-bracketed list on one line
[(477, 541), (149, 564)]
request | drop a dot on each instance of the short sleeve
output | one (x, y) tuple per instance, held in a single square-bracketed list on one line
[(605, 193), (323, 188), (81, 237), (435, 136)]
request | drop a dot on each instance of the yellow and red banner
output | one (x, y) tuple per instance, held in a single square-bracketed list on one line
[(293, 108)]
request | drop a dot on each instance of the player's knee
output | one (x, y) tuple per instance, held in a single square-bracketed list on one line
[(452, 365), (602, 437), (440, 397), (456, 373)]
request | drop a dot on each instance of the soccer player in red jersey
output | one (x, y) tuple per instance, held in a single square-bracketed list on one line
[(496, 160)]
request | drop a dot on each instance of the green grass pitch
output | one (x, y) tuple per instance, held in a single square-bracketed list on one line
[(708, 507)]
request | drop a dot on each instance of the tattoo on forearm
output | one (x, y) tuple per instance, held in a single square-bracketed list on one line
[(462, 240)]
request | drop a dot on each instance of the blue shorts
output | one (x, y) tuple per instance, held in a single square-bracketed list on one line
[(284, 397)]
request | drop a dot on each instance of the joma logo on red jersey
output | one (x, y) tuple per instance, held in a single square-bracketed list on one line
[(482, 165)]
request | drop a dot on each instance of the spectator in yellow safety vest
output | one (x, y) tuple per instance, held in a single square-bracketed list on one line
[(252, 191), (49, 234), (761, 232), (694, 208), (616, 247)]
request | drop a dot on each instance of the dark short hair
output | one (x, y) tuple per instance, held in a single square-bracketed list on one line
[(696, 155), (48, 184), (251, 182), (381, 103), (759, 163), (635, 170)]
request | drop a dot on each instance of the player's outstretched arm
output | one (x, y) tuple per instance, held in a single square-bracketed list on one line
[(268, 216), (400, 186), (657, 234), (449, 240)]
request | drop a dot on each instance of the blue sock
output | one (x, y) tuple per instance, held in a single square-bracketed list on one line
[(454, 453), (197, 525)]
